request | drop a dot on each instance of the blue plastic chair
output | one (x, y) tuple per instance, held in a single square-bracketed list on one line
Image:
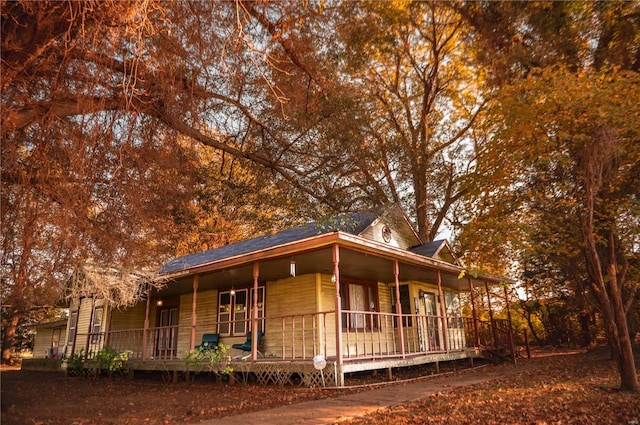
[(209, 342), (246, 346)]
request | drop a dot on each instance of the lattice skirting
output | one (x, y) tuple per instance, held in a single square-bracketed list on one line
[(289, 374)]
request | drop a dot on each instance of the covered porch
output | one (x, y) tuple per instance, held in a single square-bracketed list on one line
[(299, 296)]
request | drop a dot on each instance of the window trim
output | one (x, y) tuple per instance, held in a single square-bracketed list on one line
[(73, 325), (234, 323), (370, 291), (95, 334)]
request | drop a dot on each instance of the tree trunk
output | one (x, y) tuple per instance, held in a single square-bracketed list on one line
[(9, 335), (626, 364), (584, 317)]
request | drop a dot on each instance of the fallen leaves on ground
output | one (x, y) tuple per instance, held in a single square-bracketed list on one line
[(559, 387), (566, 388)]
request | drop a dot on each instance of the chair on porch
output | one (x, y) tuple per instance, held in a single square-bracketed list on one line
[(246, 346), (209, 342)]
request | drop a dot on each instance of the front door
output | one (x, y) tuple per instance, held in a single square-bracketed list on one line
[(167, 341)]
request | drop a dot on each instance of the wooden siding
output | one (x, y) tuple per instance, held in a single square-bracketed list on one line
[(84, 308), (285, 297), (398, 240), (130, 318), (328, 303), (206, 314), (185, 312), (44, 339)]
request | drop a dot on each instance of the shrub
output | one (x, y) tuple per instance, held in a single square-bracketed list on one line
[(215, 360)]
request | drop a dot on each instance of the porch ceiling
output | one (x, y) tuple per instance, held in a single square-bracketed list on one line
[(353, 263)]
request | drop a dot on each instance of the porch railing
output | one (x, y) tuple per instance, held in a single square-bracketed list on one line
[(365, 335)]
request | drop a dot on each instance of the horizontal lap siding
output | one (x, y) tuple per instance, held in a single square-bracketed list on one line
[(130, 318), (206, 314), (84, 322), (184, 325), (328, 303), (42, 343), (287, 297), (206, 318)]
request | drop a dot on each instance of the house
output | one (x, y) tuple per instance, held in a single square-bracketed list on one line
[(359, 292), (50, 339)]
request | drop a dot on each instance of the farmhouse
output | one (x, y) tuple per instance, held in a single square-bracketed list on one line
[(357, 292)]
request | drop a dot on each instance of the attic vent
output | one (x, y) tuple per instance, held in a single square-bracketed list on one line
[(386, 233)]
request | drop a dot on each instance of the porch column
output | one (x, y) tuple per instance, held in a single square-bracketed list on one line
[(396, 274), (511, 343), (254, 316), (493, 323), (474, 313), (443, 313), (336, 276), (145, 331), (196, 281)]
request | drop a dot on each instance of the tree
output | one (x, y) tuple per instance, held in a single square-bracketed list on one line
[(559, 178), (417, 107), (108, 111), (566, 157)]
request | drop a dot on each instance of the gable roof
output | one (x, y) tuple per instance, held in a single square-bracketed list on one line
[(439, 249), (353, 223)]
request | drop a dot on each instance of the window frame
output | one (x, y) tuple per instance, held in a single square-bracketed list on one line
[(228, 314), (73, 325), (371, 295), (97, 324)]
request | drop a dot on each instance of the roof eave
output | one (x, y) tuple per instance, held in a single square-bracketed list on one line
[(324, 240)]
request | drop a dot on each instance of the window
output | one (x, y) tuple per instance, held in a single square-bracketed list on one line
[(452, 305), (358, 296), (405, 305), (96, 326), (55, 338), (235, 309), (168, 329), (73, 322)]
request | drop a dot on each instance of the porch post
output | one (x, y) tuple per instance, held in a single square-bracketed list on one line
[(443, 312), (396, 274), (493, 323), (196, 281), (145, 331), (511, 343), (254, 316), (336, 275), (474, 313)]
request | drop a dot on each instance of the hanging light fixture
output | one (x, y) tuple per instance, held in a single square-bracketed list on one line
[(159, 302), (233, 291), (292, 268)]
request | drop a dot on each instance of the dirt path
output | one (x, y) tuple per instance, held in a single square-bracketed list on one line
[(338, 409)]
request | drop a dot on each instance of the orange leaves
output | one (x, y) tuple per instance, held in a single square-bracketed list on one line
[(562, 388)]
